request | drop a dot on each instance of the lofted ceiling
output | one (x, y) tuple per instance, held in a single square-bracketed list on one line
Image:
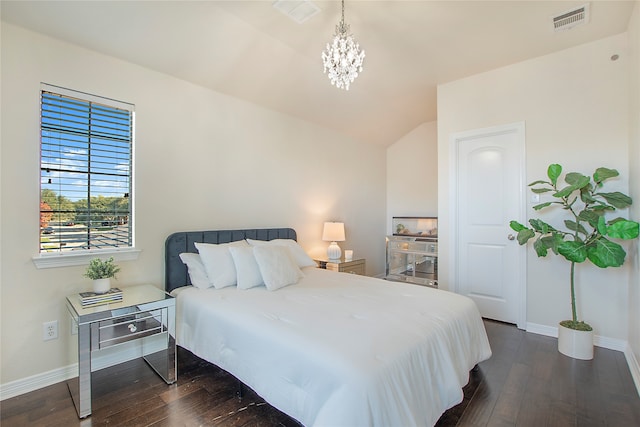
[(250, 50)]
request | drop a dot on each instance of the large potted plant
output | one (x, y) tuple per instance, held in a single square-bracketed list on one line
[(101, 273), (587, 236)]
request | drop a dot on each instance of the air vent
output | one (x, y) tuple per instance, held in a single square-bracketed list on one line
[(298, 10), (571, 18)]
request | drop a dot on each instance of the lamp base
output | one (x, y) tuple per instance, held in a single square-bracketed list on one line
[(334, 252)]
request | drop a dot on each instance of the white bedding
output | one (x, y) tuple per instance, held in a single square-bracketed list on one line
[(338, 349)]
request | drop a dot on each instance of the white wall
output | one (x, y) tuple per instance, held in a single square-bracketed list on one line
[(203, 161), (575, 105), (412, 174), (634, 178)]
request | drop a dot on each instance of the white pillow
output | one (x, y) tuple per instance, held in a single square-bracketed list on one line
[(218, 263), (197, 273), (277, 266), (299, 255), (246, 267)]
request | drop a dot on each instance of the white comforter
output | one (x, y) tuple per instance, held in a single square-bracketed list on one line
[(338, 349)]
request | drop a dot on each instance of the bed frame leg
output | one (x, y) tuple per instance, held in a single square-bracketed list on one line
[(240, 391)]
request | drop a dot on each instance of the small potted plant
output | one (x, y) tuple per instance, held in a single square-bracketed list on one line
[(101, 273), (587, 237)]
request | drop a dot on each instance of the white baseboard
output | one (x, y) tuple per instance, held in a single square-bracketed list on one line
[(100, 360), (634, 367), (35, 382), (545, 330), (599, 341)]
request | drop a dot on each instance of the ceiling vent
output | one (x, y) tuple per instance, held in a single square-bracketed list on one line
[(298, 10), (571, 18)]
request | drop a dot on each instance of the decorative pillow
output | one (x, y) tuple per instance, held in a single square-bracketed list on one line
[(277, 266), (299, 255), (246, 267), (197, 273), (218, 263)]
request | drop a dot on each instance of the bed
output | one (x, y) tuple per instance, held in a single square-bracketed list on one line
[(332, 349)]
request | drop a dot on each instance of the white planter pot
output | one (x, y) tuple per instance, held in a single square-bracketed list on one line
[(576, 344), (100, 286)]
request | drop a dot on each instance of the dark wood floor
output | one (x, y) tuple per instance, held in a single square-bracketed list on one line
[(526, 383)]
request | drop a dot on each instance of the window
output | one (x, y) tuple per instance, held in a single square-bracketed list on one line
[(86, 147)]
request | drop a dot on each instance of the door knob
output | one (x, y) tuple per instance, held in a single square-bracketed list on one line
[(511, 237)]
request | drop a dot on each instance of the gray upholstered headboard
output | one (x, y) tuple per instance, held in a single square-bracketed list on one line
[(176, 272)]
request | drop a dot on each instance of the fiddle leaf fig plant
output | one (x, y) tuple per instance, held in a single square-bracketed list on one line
[(587, 232)]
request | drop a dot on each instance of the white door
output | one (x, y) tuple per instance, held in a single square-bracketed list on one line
[(488, 191)]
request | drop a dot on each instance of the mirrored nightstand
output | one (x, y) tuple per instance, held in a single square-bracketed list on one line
[(144, 312)]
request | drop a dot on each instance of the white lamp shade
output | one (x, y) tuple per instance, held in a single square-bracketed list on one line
[(333, 232)]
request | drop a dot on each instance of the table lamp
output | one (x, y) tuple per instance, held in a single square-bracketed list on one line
[(333, 232)]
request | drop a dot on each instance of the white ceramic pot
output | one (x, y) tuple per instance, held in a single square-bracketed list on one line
[(100, 286), (576, 344)]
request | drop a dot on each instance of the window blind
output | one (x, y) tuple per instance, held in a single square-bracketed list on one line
[(85, 172)]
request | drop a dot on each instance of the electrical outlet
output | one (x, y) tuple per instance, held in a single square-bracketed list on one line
[(50, 330)]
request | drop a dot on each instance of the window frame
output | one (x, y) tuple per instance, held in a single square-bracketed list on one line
[(83, 256)]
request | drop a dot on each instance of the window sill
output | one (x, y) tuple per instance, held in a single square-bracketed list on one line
[(53, 260)]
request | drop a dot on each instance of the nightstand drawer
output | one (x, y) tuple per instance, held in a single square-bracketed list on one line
[(356, 266), (127, 327), (356, 269)]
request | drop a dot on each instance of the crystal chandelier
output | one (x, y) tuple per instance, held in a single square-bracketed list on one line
[(343, 58)]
